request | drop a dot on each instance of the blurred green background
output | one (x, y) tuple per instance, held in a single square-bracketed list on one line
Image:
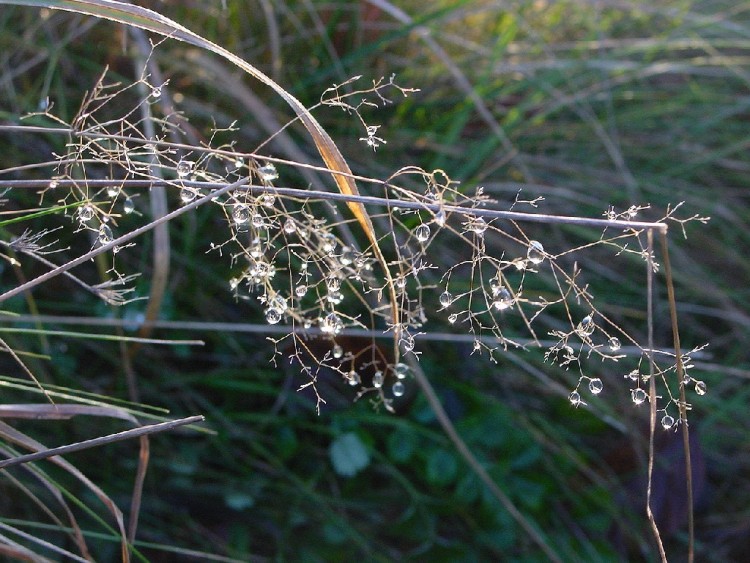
[(586, 104)]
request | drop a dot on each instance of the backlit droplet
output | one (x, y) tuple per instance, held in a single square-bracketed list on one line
[(401, 370), (575, 398), (353, 378), (700, 387), (633, 375), (239, 162), (273, 315), (53, 184), (667, 422), (328, 243), (614, 344), (240, 214), (259, 222), (440, 218), (289, 226), (156, 92), (377, 379), (446, 299), (300, 290), (422, 232), (398, 389), (638, 395), (535, 253), (331, 324), (85, 213), (333, 284), (586, 326), (453, 318), (596, 386), (187, 195), (503, 300), (128, 206), (347, 256), (113, 191), (268, 172), (105, 234), (267, 200), (337, 351), (478, 225), (184, 167)]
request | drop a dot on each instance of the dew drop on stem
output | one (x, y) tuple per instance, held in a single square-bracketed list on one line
[(535, 253), (398, 389), (128, 206), (596, 386), (446, 299), (422, 233), (638, 395)]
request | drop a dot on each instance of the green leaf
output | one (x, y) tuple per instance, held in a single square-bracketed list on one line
[(442, 467), (349, 455)]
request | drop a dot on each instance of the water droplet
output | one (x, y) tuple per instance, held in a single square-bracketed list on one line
[(398, 389), (347, 256), (267, 200), (184, 168), (422, 232), (478, 225), (575, 399), (268, 172), (331, 324), (113, 191), (328, 243), (337, 351), (614, 344), (453, 318), (401, 370), (700, 387), (240, 213), (333, 284), (53, 184), (258, 221), (440, 218), (377, 379), (289, 226), (279, 303), (156, 92), (273, 315), (446, 298), (353, 378), (638, 396), (234, 283), (239, 162), (300, 290), (105, 234), (596, 386), (85, 213), (128, 206), (400, 282), (187, 195), (586, 327), (535, 253), (667, 422), (503, 300)]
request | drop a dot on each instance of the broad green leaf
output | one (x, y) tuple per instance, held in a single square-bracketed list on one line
[(349, 455)]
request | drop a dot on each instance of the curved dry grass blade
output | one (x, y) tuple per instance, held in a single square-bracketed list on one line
[(149, 20), (10, 434)]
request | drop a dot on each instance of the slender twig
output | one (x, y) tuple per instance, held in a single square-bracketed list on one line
[(120, 240), (651, 390), (102, 440), (372, 200), (683, 401)]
